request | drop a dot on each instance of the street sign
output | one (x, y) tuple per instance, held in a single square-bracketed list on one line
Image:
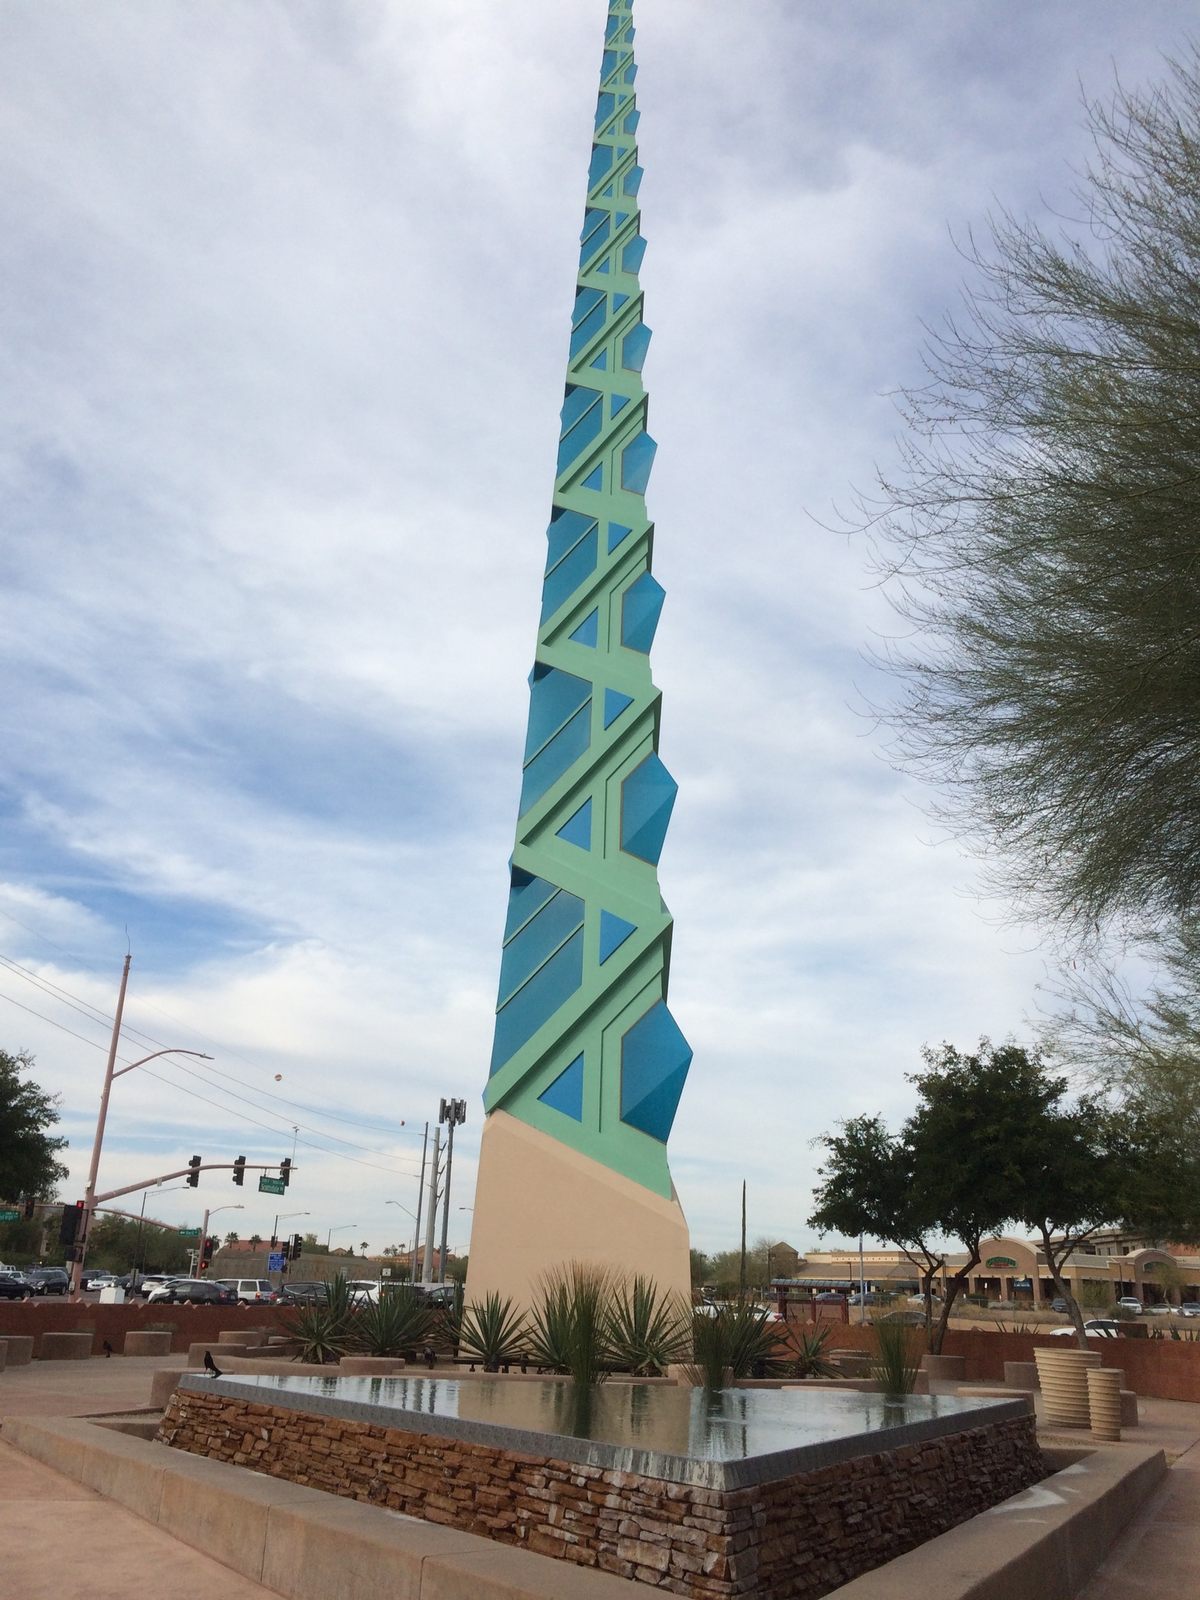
[(275, 1262), (188, 1233), (10, 1216), (268, 1185)]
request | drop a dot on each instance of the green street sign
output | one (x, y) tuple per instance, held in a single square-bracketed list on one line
[(10, 1216), (188, 1233), (270, 1185)]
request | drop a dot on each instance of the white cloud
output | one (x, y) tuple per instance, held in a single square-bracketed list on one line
[(288, 290)]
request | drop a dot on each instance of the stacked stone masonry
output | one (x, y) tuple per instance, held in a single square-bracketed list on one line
[(793, 1539)]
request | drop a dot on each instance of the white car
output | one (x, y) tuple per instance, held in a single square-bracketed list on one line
[(159, 1280), (1130, 1302), (1095, 1328), (252, 1291), (364, 1289)]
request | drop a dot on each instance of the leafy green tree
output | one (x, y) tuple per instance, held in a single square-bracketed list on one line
[(29, 1163), (1041, 536), (701, 1268), (867, 1188)]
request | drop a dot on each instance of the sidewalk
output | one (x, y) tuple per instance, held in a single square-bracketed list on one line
[(62, 1541)]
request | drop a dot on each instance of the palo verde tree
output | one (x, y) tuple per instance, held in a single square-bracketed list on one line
[(1041, 536), (29, 1164)]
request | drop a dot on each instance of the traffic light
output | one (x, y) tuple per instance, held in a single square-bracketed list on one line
[(193, 1177), (285, 1171), (71, 1226), (29, 1207), (206, 1253), (239, 1171), (297, 1247)]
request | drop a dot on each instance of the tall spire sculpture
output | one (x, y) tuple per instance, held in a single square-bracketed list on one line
[(588, 1063)]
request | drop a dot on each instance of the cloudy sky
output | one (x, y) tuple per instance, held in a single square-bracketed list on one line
[(285, 290)]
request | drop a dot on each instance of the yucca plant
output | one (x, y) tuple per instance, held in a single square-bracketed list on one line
[(810, 1360), (647, 1329), (569, 1327), (709, 1366), (736, 1341), (492, 1332), (326, 1331), (398, 1322), (896, 1361)]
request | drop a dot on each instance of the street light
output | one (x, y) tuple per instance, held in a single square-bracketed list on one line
[(341, 1228), (282, 1216), (110, 1072), (416, 1216), (204, 1228), (138, 1267)]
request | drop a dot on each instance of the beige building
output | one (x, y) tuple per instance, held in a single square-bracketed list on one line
[(1110, 1265)]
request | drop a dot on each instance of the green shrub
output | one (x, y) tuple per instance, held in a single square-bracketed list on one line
[(492, 1332), (647, 1329), (810, 1360), (894, 1366), (398, 1322), (570, 1326)]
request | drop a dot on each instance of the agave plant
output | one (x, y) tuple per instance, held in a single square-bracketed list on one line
[(492, 1332), (326, 1331), (736, 1341), (647, 1329), (570, 1325), (896, 1362), (810, 1360), (397, 1322)]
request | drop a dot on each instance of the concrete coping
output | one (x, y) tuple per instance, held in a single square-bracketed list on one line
[(1042, 1544), (65, 1347), (301, 1542), (18, 1347), (406, 1414)]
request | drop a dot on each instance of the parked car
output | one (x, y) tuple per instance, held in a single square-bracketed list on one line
[(193, 1291), (14, 1286), (1130, 1302), (1190, 1308), (869, 1299), (96, 1280), (1095, 1328), (154, 1280), (365, 1290), (251, 1291), (831, 1297), (48, 1280), (905, 1319), (1059, 1304), (1162, 1308), (306, 1294)]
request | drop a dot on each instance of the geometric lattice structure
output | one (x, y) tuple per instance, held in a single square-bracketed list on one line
[(585, 1048)]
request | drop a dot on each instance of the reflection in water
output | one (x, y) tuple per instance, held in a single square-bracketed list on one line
[(729, 1425)]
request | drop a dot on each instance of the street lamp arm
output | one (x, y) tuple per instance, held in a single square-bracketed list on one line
[(202, 1055), (183, 1172)]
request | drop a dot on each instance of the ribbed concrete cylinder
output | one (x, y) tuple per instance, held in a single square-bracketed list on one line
[(1104, 1401), (1062, 1375)]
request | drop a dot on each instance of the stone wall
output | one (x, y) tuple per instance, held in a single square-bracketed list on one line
[(793, 1539)]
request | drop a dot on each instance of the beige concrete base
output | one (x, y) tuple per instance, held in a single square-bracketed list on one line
[(18, 1349), (146, 1344), (65, 1347), (540, 1205)]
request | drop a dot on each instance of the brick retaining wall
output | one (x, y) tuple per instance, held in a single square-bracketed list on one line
[(187, 1324), (793, 1539), (1158, 1369)]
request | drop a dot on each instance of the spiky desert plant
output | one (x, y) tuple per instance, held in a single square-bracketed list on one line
[(326, 1331), (709, 1366), (752, 1338), (492, 1331), (810, 1360), (648, 1330), (896, 1361), (398, 1322), (569, 1326)]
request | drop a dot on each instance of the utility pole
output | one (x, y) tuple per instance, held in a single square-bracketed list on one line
[(742, 1265), (412, 1276), (451, 1112), (431, 1219)]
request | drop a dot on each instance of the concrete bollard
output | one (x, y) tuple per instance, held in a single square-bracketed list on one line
[(243, 1336), (1129, 1409), (195, 1356), (65, 1347), (19, 1348), (1062, 1376), (145, 1343), (1104, 1402), (3, 1355)]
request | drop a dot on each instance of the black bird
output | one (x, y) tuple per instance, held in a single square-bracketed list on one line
[(211, 1367), (108, 1349)]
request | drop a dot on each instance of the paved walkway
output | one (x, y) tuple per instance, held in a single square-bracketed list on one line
[(61, 1541)]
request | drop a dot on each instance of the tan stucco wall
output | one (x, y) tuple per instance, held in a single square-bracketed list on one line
[(539, 1205)]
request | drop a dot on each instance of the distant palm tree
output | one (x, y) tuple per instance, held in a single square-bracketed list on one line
[(255, 1240), (231, 1238), (363, 1246)]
